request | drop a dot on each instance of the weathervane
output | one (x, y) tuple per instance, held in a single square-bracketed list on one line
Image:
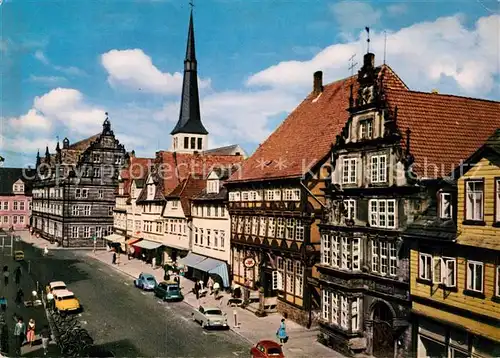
[(352, 64), (191, 3), (368, 38)]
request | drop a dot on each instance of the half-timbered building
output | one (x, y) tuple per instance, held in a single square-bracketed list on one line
[(75, 188), (393, 141)]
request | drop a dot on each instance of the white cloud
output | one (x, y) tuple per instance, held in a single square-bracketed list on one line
[(48, 80), (32, 120), (134, 70), (352, 15), (40, 56), (397, 9), (70, 71), (424, 55)]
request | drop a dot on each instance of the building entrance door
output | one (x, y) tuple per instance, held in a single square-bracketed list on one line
[(383, 336)]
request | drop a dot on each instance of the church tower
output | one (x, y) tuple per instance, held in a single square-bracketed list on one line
[(189, 134)]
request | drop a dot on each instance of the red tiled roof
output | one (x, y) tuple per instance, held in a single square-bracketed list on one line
[(306, 135), (138, 168), (173, 168), (187, 189), (445, 129), (71, 155), (84, 143)]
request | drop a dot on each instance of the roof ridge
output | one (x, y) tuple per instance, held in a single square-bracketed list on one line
[(448, 95), (71, 146), (395, 75)]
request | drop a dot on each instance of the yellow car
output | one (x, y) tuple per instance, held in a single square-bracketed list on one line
[(19, 255), (65, 301)]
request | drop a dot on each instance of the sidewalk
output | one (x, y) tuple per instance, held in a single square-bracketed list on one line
[(40, 243), (302, 342)]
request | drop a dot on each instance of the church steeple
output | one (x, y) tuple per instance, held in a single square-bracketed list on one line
[(189, 130)]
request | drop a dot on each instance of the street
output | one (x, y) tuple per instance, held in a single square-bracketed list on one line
[(125, 320)]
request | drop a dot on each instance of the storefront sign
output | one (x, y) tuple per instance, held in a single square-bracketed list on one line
[(249, 262)]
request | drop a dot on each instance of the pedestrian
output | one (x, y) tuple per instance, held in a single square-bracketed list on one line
[(17, 274), (281, 332), (45, 251), (113, 260), (4, 336), (50, 300), (177, 279), (216, 289), (6, 275), (197, 290), (153, 263), (30, 335), (45, 334), (19, 297), (210, 284), (3, 303), (19, 334)]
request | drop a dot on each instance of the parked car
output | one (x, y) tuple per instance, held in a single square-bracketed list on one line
[(267, 349), (65, 301), (55, 285), (145, 281), (169, 291), (210, 317)]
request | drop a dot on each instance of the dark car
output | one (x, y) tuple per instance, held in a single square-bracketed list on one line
[(267, 349), (169, 291)]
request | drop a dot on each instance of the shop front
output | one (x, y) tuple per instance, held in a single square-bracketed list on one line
[(148, 251), (200, 267)]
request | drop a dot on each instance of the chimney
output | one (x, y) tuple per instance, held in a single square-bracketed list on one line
[(435, 91), (369, 60), (318, 82)]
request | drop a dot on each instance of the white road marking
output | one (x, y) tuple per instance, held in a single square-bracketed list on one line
[(126, 283), (205, 333), (185, 319), (83, 322), (79, 314), (100, 269), (236, 354), (167, 307), (144, 293)]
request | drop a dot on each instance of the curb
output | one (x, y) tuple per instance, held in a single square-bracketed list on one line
[(49, 319)]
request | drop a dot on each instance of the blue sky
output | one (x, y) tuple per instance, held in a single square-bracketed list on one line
[(64, 63)]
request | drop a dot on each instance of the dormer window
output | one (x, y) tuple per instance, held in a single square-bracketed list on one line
[(366, 129), (175, 204), (445, 206), (151, 192), (213, 186)]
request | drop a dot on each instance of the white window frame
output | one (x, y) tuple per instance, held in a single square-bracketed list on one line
[(349, 171), (299, 230), (255, 225), (471, 276), (378, 168), (269, 195), (299, 278), (445, 205), (425, 264), (497, 200), (379, 213), (449, 271), (350, 206), (366, 128), (244, 196), (325, 311), (101, 194), (262, 226), (356, 314), (474, 200), (344, 312), (326, 249)]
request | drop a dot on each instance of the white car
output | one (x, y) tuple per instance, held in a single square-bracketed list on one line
[(210, 317), (56, 286)]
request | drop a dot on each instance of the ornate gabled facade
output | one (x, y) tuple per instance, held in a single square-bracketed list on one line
[(393, 143), (455, 261), (75, 188), (276, 202)]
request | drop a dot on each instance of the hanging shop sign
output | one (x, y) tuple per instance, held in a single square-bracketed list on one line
[(249, 262)]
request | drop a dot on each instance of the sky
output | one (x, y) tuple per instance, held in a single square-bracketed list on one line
[(65, 63)]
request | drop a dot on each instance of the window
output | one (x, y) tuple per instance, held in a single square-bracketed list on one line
[(382, 213), (21, 205), (97, 173), (355, 314), (425, 266), (262, 226), (349, 171), (118, 159), (29, 205), (6, 205), (85, 193), (299, 230), (325, 312), (97, 158), (74, 231), (378, 169), (271, 229), (195, 235), (281, 228), (350, 207), (449, 271), (277, 280), (269, 195), (474, 200), (344, 312), (244, 196), (87, 210), (384, 260), (201, 237), (445, 206), (366, 129), (475, 276), (200, 141), (288, 194), (384, 257), (15, 206), (186, 143), (5, 219), (326, 253), (253, 195), (86, 232), (193, 143), (497, 200), (110, 210), (497, 280), (296, 194), (74, 210), (222, 238), (101, 194), (14, 219), (175, 204), (356, 253), (289, 276), (255, 225), (344, 253), (208, 237), (290, 225), (277, 194), (299, 279)]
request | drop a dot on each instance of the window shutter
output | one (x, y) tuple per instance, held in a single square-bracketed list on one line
[(280, 282), (437, 270)]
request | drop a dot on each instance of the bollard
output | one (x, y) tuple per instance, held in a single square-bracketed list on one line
[(235, 318), (29, 266)]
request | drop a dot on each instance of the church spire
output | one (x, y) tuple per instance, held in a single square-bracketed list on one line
[(189, 116)]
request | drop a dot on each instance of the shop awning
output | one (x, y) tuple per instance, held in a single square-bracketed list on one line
[(218, 267), (191, 259), (148, 245), (132, 241), (114, 238)]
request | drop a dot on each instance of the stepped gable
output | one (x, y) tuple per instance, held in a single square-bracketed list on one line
[(445, 129), (171, 168), (186, 190), (71, 155), (305, 137)]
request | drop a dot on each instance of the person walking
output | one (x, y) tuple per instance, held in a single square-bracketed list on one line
[(45, 251), (210, 284), (3, 303), (19, 334), (113, 260), (45, 334), (153, 263), (19, 297), (216, 289), (30, 335), (4, 336), (17, 275), (50, 300), (281, 333), (197, 290), (6, 275)]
